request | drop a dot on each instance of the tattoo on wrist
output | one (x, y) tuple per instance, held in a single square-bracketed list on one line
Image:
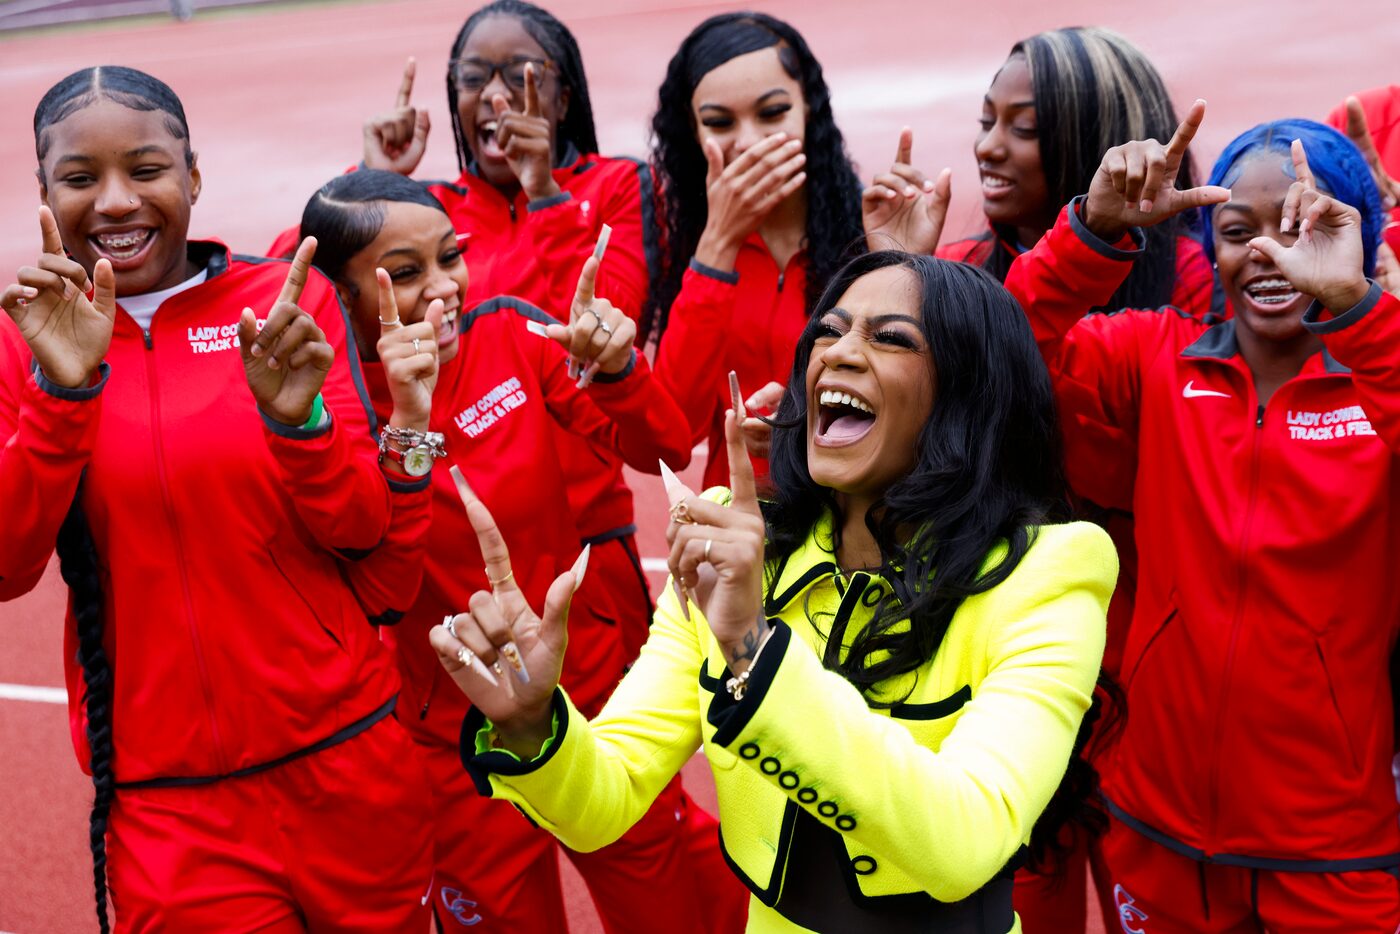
[(752, 640)]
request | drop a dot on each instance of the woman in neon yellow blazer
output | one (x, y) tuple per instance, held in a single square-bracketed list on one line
[(886, 665)]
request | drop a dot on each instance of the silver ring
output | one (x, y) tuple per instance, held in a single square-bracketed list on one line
[(708, 543), (450, 624), (396, 323), (416, 342), (603, 326), (594, 312)]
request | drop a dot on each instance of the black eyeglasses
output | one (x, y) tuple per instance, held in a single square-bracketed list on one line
[(473, 74)]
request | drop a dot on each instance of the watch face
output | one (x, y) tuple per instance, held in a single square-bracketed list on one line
[(418, 460)]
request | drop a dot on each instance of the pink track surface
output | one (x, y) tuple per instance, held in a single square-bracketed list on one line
[(275, 98)]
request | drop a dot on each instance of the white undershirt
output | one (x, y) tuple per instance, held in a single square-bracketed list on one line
[(143, 307)]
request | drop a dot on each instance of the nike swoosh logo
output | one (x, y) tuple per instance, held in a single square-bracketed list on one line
[(1190, 392)]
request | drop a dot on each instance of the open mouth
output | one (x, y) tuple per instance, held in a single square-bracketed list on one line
[(447, 331), (1272, 294), (995, 186), (486, 141), (124, 246), (842, 418)]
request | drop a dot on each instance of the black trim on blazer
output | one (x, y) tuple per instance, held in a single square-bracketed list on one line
[(480, 766), (937, 709), (708, 681), (767, 894), (776, 604), (728, 716)]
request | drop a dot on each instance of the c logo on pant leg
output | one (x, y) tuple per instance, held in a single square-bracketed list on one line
[(460, 907), (1128, 911)]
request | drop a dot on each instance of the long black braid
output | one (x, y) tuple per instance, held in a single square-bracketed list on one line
[(576, 126), (77, 555)]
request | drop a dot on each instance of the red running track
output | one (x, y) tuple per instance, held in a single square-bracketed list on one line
[(275, 98)]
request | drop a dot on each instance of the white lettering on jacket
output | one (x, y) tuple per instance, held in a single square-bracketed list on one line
[(215, 338), (1347, 422), (495, 405)]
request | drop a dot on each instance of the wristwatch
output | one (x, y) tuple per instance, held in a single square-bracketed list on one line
[(413, 451)]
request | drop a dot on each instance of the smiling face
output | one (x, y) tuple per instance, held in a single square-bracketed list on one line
[(418, 248), (870, 386), (498, 41), (746, 99), (1014, 190), (1262, 299), (118, 184)]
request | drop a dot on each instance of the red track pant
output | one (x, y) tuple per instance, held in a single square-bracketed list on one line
[(334, 841), (1157, 891)]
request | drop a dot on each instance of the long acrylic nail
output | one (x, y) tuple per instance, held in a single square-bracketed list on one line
[(572, 368), (511, 653), (675, 489), (601, 246), (736, 398), (535, 328), (690, 592), (580, 567), (468, 657), (1285, 225), (586, 379)]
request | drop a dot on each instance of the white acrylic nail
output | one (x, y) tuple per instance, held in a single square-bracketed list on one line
[(601, 246), (736, 398), (535, 328), (468, 658), (580, 567)]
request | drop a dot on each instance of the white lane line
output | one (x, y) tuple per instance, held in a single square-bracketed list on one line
[(32, 692)]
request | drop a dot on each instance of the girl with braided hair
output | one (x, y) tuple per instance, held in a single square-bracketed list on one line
[(186, 428)]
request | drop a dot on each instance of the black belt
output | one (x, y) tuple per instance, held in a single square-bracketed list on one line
[(335, 739)]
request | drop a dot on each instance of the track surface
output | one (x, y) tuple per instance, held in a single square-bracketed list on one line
[(275, 98)]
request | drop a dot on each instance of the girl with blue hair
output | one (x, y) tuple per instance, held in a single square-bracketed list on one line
[(1250, 788)]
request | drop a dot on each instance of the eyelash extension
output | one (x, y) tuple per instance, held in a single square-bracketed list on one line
[(895, 337)]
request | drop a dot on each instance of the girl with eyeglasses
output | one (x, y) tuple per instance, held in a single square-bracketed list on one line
[(528, 209)]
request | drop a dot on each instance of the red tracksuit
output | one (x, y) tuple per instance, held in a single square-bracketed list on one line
[(1382, 107), (535, 251), (1259, 734), (748, 321), (1054, 904), (499, 403), (233, 640)]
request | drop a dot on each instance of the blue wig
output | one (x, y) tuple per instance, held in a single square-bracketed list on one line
[(1336, 163)]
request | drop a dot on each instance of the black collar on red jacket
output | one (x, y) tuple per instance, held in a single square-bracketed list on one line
[(569, 157), (1220, 343)]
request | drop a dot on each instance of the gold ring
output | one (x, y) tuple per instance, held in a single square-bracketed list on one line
[(497, 583), (681, 513), (708, 543)]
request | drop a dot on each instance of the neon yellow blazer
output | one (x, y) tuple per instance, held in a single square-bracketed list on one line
[(931, 798)]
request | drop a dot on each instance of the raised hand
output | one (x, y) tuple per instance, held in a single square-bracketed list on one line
[(1135, 185), (287, 361), (903, 209), (67, 332), (730, 540), (503, 656), (599, 336), (396, 140), (1359, 132), (740, 195), (1325, 259), (409, 354), (524, 138)]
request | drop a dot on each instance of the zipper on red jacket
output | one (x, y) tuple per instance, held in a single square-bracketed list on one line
[(1236, 624), (181, 568)]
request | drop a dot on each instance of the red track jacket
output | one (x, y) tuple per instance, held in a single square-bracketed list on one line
[(232, 636), (536, 251), (501, 403), (1259, 726), (747, 321), (1382, 107)]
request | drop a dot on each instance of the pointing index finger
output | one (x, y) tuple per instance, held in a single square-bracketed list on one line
[(299, 272), (388, 305), (488, 537), (410, 69), (48, 230), (742, 485), (532, 91), (587, 281), (904, 153)]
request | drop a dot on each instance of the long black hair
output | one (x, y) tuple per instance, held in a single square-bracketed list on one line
[(833, 191), (1093, 90), (988, 471), (576, 126), (77, 554), (126, 86)]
